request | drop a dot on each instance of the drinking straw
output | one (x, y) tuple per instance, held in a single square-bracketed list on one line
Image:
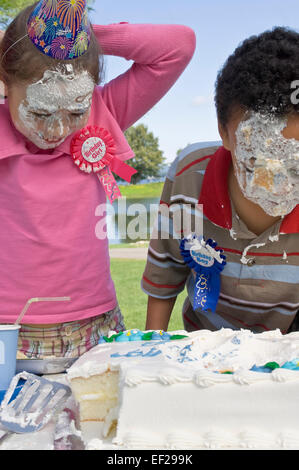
[(38, 299)]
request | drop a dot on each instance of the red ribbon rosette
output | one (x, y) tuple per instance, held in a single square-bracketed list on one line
[(93, 151)]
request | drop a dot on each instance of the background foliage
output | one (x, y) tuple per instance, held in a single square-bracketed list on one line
[(149, 159)]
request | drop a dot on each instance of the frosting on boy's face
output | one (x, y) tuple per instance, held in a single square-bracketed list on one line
[(51, 109), (266, 161)]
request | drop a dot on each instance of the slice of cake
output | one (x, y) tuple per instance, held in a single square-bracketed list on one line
[(225, 389), (95, 377)]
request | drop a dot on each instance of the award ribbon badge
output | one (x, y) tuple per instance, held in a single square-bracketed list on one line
[(207, 262), (93, 150)]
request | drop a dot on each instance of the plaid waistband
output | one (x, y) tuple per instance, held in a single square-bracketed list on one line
[(71, 339)]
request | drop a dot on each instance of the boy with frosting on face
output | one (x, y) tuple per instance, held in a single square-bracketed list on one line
[(245, 192)]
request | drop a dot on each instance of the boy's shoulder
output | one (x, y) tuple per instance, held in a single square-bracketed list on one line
[(193, 158), (186, 173)]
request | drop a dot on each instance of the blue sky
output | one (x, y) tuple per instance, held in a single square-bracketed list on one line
[(187, 113)]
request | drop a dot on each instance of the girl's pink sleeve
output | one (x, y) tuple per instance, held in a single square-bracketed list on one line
[(160, 54)]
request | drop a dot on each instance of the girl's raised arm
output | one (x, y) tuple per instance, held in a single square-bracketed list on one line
[(160, 54)]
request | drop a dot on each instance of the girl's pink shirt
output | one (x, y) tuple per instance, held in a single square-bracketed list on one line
[(50, 211)]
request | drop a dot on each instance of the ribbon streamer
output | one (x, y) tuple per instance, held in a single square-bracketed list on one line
[(93, 150), (207, 262)]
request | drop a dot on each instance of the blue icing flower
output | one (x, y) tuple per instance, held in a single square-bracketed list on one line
[(101, 340), (292, 365), (158, 335), (134, 335)]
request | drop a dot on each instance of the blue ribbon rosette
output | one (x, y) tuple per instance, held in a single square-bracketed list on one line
[(207, 262)]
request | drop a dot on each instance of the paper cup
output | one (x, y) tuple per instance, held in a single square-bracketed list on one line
[(8, 353)]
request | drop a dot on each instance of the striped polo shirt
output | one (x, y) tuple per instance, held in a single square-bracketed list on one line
[(260, 282)]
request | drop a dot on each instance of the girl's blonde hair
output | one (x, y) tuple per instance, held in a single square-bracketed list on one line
[(21, 61)]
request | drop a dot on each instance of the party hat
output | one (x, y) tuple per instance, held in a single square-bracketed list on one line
[(60, 28)]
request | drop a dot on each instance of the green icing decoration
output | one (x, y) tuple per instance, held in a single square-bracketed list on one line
[(112, 338), (178, 337), (272, 365), (227, 372), (108, 340), (147, 336)]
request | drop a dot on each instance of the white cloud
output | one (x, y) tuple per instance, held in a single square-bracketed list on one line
[(200, 100)]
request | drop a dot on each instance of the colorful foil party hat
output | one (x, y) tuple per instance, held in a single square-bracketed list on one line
[(60, 28)]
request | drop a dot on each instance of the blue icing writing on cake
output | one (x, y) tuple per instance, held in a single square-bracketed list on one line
[(139, 353)]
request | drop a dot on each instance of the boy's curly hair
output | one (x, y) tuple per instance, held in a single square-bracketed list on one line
[(258, 75)]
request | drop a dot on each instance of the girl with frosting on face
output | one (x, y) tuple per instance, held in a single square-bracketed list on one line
[(61, 142)]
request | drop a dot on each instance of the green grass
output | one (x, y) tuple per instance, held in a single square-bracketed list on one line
[(139, 191), (127, 276), (127, 273), (140, 244)]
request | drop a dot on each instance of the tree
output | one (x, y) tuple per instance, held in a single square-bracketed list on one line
[(10, 8), (149, 159)]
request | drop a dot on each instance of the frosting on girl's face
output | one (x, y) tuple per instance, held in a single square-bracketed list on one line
[(51, 109), (267, 163)]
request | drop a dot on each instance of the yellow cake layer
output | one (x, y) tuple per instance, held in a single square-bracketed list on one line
[(105, 385), (96, 395), (96, 409)]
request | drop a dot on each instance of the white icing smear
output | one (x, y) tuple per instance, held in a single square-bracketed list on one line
[(61, 88), (244, 258), (202, 350), (56, 106)]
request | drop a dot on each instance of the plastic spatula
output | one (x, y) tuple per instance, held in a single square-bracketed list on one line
[(34, 406)]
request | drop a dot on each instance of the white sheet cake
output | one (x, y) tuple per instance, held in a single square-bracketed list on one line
[(226, 389)]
